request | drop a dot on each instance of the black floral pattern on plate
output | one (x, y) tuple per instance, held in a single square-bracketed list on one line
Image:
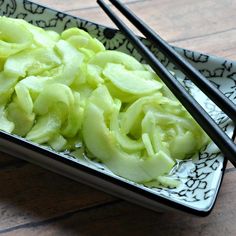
[(8, 8), (33, 8), (111, 38), (92, 29), (197, 58)]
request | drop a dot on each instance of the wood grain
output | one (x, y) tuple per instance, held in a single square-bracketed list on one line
[(122, 218), (31, 194), (71, 5), (179, 23), (6, 160), (34, 201)]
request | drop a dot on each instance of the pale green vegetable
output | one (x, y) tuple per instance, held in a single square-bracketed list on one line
[(58, 142), (24, 98), (22, 120), (128, 144), (82, 40), (136, 167), (31, 62), (14, 37), (52, 94), (66, 91), (103, 58), (35, 85), (7, 84), (74, 120), (5, 124), (130, 81), (45, 128), (168, 181), (94, 75), (71, 62), (155, 143)]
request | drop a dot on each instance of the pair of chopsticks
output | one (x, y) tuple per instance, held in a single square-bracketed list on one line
[(224, 143)]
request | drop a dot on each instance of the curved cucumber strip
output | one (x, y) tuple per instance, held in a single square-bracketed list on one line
[(130, 82), (24, 98), (46, 127), (7, 84), (81, 39), (5, 124), (103, 58), (58, 142), (31, 62), (22, 120), (14, 37), (53, 93), (71, 62), (74, 120), (124, 141)]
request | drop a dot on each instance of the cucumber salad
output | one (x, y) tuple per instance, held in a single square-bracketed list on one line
[(63, 89)]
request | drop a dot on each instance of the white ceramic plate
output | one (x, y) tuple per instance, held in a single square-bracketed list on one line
[(201, 178)]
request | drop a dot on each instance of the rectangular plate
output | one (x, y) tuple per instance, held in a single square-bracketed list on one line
[(200, 178)]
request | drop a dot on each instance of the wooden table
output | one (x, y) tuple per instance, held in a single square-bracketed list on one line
[(34, 201)]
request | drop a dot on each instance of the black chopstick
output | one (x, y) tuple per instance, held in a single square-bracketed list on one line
[(194, 75), (225, 144)]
